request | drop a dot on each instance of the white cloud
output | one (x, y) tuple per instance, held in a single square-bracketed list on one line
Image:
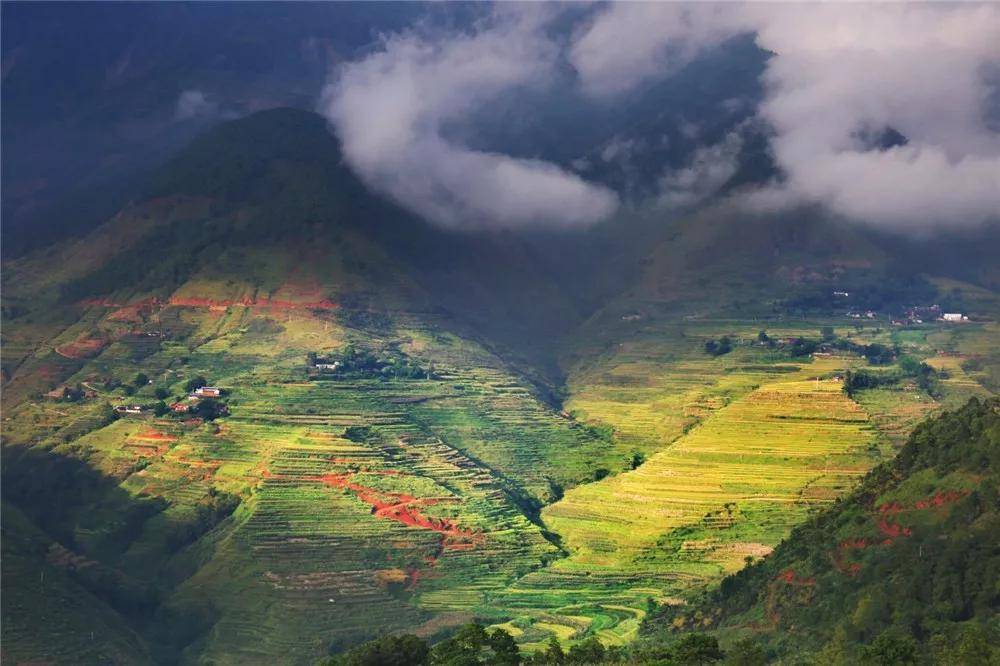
[(916, 69), (838, 70), (631, 42), (388, 110), (709, 169), (194, 104)]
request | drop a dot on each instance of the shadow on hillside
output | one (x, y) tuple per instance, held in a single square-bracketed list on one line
[(93, 522)]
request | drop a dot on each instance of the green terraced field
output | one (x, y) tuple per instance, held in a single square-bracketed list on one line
[(323, 511)]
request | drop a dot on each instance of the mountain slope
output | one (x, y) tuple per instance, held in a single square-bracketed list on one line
[(912, 554), (409, 413), (323, 507)]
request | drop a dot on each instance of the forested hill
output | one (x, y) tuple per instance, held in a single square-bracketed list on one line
[(904, 570)]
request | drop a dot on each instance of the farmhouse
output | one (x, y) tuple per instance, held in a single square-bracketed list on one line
[(207, 392), (328, 366), (129, 409), (954, 316), (179, 407)]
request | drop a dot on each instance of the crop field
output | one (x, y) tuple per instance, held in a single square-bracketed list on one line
[(322, 510), (743, 447), (361, 505)]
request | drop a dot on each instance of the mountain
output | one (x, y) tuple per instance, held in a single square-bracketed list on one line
[(99, 93), (417, 427), (907, 562)]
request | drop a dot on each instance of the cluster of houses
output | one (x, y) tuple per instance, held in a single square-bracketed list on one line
[(184, 406), (918, 314), (867, 314)]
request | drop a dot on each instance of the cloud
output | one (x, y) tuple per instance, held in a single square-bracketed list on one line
[(838, 73), (915, 69), (631, 42), (389, 109), (194, 104), (709, 169)]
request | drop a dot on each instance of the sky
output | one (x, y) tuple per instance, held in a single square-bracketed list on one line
[(839, 78)]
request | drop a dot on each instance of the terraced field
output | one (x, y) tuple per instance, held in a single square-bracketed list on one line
[(731, 488), (323, 511), (743, 447), (361, 506)]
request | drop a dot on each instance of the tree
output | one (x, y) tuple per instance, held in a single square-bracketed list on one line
[(696, 650), (554, 653), (719, 347), (504, 647), (161, 393), (73, 394), (890, 650), (160, 408), (472, 645), (828, 333), (590, 651), (746, 652), (140, 380), (195, 383), (405, 650), (208, 409)]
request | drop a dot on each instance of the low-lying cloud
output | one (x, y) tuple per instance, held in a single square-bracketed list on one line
[(708, 171), (389, 108), (839, 76), (194, 104)]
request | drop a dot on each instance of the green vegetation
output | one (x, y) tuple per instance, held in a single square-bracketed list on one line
[(901, 571), (559, 455), (352, 363)]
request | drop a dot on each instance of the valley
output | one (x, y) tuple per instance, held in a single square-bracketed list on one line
[(409, 434)]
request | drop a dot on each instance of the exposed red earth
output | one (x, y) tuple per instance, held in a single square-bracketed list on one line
[(405, 509), (150, 433), (134, 311), (82, 348), (890, 530), (789, 576)]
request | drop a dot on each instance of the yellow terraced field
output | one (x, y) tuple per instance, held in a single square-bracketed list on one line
[(729, 488)]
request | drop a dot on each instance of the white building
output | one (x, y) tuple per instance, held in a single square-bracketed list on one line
[(954, 316)]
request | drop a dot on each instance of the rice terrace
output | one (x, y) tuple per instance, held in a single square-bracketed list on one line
[(448, 334)]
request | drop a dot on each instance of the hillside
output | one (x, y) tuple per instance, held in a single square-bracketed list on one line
[(907, 561), (416, 427)]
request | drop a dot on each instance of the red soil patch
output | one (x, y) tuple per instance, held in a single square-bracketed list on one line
[(405, 509), (82, 348), (934, 502), (156, 435), (893, 530), (134, 311), (941, 499), (274, 304), (891, 508), (789, 576)]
